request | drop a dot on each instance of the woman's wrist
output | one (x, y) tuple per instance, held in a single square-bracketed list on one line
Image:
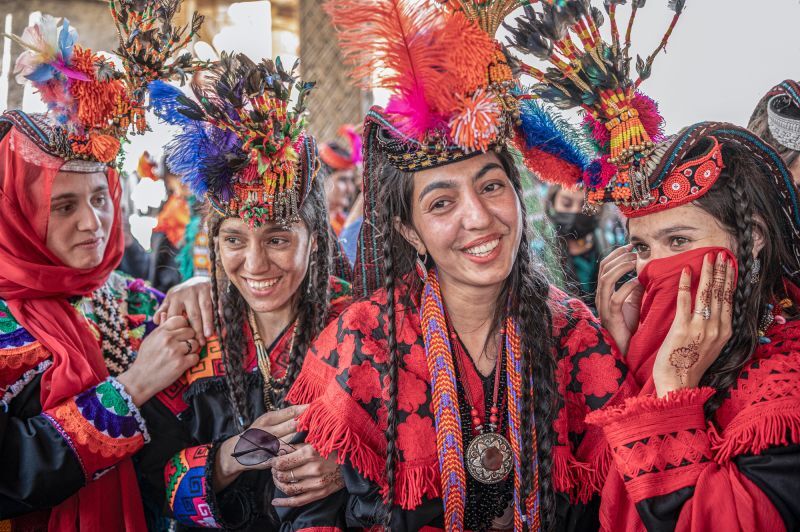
[(135, 387), (226, 468)]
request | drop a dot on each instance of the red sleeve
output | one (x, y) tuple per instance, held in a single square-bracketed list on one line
[(663, 450), (590, 376)]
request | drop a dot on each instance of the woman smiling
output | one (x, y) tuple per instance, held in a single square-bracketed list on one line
[(272, 290), (454, 395)]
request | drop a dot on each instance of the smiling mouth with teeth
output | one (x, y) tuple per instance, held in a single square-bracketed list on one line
[(262, 285), (484, 249)]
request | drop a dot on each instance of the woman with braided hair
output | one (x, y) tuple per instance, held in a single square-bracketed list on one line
[(75, 366), (273, 288), (453, 395), (708, 327), (711, 334)]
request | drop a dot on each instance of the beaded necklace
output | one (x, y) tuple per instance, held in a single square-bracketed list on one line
[(264, 362), (445, 406)]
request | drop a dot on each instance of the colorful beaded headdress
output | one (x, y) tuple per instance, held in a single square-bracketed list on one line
[(92, 105), (242, 144), (594, 75), (450, 80)]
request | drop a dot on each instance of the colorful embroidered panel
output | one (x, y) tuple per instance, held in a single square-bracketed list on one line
[(185, 479), (101, 425)]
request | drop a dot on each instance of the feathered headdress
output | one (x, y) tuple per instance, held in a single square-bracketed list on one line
[(595, 76), (242, 144), (92, 104), (450, 80)]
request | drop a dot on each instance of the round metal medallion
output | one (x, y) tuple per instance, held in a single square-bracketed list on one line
[(489, 458)]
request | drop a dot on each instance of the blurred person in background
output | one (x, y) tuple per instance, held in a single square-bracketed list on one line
[(338, 169), (584, 239), (776, 119), (168, 234)]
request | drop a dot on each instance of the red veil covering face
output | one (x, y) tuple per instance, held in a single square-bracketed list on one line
[(36, 284)]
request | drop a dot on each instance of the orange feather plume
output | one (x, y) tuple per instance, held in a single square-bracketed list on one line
[(431, 59)]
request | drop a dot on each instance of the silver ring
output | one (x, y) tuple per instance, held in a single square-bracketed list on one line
[(705, 312), (189, 346), (293, 481)]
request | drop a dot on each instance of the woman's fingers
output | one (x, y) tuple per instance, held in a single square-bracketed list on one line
[(613, 256), (309, 496), (684, 300), (705, 289), (607, 281), (728, 292), (720, 275)]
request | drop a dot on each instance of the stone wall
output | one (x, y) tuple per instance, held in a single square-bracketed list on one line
[(335, 100)]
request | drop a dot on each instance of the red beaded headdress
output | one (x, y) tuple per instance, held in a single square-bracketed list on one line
[(92, 105)]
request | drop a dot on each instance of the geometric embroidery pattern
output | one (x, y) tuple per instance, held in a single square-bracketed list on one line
[(662, 452)]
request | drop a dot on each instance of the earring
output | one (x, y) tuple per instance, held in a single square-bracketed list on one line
[(422, 269), (755, 275)]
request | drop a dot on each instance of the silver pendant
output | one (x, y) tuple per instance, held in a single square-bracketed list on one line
[(489, 458)]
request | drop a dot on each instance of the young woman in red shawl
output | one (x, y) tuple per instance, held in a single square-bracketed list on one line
[(74, 365), (276, 281), (709, 327), (454, 394)]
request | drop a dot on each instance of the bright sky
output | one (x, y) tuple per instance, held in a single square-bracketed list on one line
[(723, 56)]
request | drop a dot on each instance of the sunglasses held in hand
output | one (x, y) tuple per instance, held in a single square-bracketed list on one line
[(256, 446)]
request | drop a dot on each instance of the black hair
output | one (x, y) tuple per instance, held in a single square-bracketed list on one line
[(744, 200), (312, 307), (529, 291)]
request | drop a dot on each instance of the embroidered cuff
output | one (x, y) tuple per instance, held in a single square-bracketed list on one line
[(101, 425), (12, 391), (234, 508), (185, 481), (659, 445)]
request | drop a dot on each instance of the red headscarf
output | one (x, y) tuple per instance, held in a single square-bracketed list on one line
[(36, 284)]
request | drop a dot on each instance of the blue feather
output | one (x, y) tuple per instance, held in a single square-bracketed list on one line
[(66, 41), (543, 129), (201, 155), (164, 103)]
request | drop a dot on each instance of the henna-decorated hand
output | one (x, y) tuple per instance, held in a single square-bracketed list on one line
[(305, 476), (618, 310), (698, 334)]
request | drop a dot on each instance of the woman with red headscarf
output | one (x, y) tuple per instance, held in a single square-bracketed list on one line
[(74, 364)]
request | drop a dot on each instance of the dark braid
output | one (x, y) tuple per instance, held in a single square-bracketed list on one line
[(532, 311), (314, 297), (742, 200), (234, 378), (394, 363), (530, 307)]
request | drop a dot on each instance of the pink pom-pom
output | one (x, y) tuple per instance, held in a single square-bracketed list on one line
[(651, 118), (597, 130), (600, 173)]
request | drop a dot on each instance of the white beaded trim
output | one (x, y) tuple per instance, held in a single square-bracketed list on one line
[(785, 130), (14, 390), (134, 411)]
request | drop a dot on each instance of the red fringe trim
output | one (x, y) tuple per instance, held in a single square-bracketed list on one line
[(413, 483), (580, 480), (335, 423), (311, 383), (756, 428), (648, 404)]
